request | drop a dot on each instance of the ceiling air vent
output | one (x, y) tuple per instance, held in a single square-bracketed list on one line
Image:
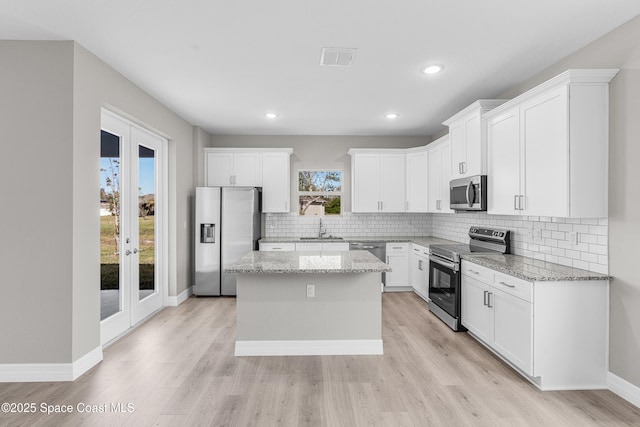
[(337, 56)]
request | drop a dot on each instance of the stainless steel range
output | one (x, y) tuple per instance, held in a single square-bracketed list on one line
[(444, 270)]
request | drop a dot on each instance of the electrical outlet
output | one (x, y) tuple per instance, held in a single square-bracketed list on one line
[(311, 291)]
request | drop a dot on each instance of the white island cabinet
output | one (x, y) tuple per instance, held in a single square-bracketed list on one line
[(308, 303), (553, 329), (548, 148)]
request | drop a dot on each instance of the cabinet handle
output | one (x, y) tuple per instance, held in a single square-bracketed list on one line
[(484, 299), (381, 206), (489, 299), (407, 208), (459, 167), (521, 202), (507, 285), (230, 179), (275, 249), (464, 167), (420, 265), (515, 202), (474, 272)]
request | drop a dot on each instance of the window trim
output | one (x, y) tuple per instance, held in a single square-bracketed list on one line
[(319, 193)]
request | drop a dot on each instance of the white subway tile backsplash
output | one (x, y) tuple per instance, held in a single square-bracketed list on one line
[(590, 253)]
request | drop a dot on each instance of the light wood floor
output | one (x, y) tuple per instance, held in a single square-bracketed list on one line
[(179, 369)]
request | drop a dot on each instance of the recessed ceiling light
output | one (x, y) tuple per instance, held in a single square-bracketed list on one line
[(432, 69), (391, 116), (271, 115)]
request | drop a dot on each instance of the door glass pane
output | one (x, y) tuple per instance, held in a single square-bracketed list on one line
[(147, 220), (110, 295)]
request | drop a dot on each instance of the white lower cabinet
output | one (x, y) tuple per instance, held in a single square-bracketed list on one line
[(398, 259), (335, 246), (277, 246), (419, 270), (553, 332)]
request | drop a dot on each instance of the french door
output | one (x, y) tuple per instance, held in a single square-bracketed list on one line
[(132, 225)]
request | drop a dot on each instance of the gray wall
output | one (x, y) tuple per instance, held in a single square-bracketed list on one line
[(618, 49), (36, 189), (52, 93), (313, 152)]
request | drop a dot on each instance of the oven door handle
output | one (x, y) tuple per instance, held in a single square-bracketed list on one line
[(450, 265)]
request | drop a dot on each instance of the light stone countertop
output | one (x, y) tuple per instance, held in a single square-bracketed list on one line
[(420, 240), (308, 262), (531, 269)]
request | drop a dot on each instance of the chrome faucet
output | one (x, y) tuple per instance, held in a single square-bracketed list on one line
[(321, 231)]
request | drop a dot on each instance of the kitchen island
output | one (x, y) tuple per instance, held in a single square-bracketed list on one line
[(308, 303)]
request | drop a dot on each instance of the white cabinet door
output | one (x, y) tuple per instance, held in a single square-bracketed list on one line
[(398, 259), (309, 246), (458, 149), (392, 185), (546, 154), (439, 175), (335, 246), (419, 275), (417, 181), (219, 169), (435, 172), (276, 182), (366, 185), (476, 312), (503, 163), (513, 329), (445, 178), (473, 138), (247, 169)]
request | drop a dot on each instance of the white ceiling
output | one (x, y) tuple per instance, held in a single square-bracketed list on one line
[(222, 64)]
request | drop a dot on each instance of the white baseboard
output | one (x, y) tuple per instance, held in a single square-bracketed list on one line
[(308, 348), (174, 301), (50, 372), (624, 389)]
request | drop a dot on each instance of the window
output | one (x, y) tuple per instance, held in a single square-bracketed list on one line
[(319, 192)]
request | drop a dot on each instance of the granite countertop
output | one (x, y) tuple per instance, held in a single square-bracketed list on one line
[(420, 240), (308, 262), (531, 269)]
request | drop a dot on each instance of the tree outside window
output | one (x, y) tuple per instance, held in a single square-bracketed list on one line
[(319, 192)]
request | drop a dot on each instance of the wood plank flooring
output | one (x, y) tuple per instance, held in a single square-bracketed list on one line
[(179, 369)]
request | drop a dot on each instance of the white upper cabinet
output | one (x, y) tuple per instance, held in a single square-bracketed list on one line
[(377, 180), (417, 180), (547, 149), (467, 136), (439, 172), (232, 167), (276, 181)]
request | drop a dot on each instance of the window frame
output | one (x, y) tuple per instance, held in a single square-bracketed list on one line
[(319, 193)]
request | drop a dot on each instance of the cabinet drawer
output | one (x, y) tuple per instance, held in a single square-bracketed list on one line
[(277, 246), (308, 247), (420, 250), (478, 272), (397, 248), (514, 286)]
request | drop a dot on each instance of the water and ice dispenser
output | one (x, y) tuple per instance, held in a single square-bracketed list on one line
[(207, 233)]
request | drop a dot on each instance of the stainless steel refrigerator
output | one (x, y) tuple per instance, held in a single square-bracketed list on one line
[(227, 226)]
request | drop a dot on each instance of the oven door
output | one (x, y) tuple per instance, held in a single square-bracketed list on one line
[(444, 285)]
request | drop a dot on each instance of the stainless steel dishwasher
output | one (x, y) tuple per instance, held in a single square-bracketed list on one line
[(379, 249)]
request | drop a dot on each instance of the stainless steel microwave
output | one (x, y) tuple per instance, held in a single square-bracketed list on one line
[(468, 194)]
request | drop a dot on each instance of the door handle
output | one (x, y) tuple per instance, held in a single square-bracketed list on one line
[(127, 252), (135, 250), (467, 195)]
